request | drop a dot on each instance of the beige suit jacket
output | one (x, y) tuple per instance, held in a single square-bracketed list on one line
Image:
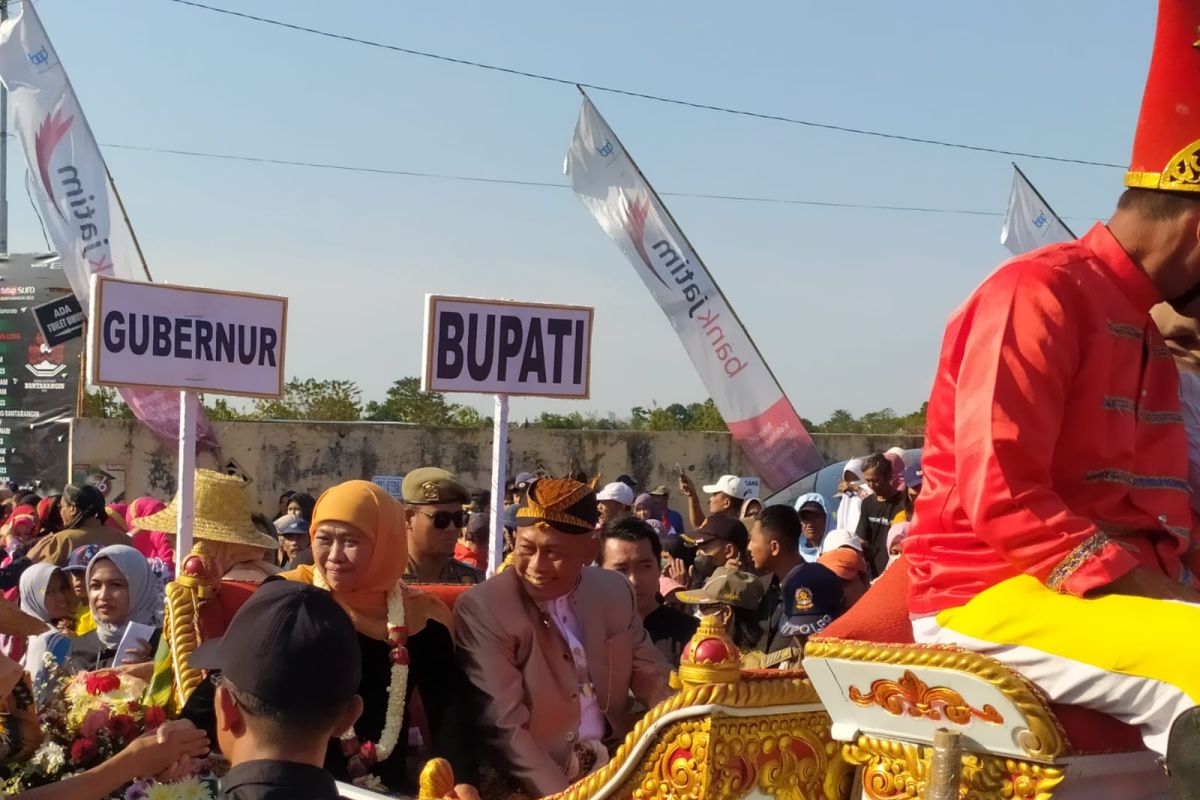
[(519, 662)]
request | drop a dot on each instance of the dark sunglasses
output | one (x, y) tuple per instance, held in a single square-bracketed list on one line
[(446, 519)]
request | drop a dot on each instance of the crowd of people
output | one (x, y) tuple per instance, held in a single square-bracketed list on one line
[(339, 658)]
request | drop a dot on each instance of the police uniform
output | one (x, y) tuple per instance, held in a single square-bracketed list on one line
[(433, 486)]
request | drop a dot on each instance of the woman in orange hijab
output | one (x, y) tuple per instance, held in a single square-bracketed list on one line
[(360, 550)]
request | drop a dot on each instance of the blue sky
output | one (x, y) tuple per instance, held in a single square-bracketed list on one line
[(847, 305)]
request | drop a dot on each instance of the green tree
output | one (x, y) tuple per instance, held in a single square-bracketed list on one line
[(106, 403), (876, 422), (405, 402), (222, 411), (311, 399), (706, 417), (840, 421)]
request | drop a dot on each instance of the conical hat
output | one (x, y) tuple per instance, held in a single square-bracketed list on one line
[(15, 622), (1166, 147), (222, 513)]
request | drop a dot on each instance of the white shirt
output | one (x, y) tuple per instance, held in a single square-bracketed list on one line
[(591, 720)]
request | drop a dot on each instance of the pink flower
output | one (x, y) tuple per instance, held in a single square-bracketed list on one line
[(94, 722)]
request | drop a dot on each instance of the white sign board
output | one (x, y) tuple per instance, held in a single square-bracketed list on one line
[(506, 348), (176, 337)]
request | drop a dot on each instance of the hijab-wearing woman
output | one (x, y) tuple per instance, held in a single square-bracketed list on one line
[(121, 589), (851, 492), (17, 535), (360, 550), (84, 517), (649, 508), (898, 468), (151, 544), (895, 541), (46, 594), (301, 504)]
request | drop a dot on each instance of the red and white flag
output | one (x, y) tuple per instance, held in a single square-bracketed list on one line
[(72, 186), (758, 413)]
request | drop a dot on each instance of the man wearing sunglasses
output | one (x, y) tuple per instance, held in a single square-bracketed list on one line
[(433, 508)]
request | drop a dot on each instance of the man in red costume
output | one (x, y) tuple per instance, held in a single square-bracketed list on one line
[(1054, 531)]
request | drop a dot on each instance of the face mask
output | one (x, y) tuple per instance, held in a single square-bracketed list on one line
[(703, 569)]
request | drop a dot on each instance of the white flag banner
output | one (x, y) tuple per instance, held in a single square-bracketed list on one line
[(75, 197), (759, 415), (1030, 222), (73, 191)]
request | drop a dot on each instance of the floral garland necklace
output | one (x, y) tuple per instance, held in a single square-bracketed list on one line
[(363, 756)]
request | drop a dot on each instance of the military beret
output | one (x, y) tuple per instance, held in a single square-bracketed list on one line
[(431, 486)]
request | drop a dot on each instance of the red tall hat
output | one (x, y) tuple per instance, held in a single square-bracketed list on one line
[(1166, 148)]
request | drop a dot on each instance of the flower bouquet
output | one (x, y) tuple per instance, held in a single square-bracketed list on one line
[(90, 718)]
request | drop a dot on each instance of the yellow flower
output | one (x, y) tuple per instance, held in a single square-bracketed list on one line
[(161, 791), (191, 789)]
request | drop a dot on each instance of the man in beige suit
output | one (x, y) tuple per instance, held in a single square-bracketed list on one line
[(555, 647)]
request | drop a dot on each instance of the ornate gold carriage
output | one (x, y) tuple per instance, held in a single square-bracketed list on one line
[(888, 701), (727, 733)]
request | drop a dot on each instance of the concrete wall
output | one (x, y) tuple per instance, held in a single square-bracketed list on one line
[(312, 456)]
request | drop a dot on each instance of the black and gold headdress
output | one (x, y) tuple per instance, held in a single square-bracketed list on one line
[(563, 504)]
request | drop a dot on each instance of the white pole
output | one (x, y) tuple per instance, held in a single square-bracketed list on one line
[(187, 475), (499, 467), (3, 154)]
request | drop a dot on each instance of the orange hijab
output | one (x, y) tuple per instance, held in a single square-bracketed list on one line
[(380, 518)]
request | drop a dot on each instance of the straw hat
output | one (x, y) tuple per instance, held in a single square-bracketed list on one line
[(222, 513), (15, 622)]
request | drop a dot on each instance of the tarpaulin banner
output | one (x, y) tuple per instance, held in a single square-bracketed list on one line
[(1030, 222), (72, 187), (38, 380), (758, 414)]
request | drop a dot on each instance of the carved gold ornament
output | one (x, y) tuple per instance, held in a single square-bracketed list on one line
[(912, 696), (1042, 740), (900, 771), (182, 627), (752, 691), (1181, 175)]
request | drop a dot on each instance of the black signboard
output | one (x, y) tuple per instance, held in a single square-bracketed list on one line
[(38, 380), (60, 320)]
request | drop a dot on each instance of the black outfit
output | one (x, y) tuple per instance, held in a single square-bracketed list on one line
[(670, 629), (874, 525), (277, 780), (444, 694), (10, 576), (90, 655)]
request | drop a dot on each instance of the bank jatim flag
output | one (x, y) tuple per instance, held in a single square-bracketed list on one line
[(1030, 222), (759, 415), (71, 184)]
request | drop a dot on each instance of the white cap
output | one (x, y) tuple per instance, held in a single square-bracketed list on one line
[(618, 492), (732, 485), (897, 451)]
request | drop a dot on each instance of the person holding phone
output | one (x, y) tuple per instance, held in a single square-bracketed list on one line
[(123, 594)]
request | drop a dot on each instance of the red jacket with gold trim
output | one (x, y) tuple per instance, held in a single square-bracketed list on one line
[(1055, 446)]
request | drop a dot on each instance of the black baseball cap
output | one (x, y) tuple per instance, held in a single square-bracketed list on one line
[(812, 598), (721, 526), (287, 634)]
